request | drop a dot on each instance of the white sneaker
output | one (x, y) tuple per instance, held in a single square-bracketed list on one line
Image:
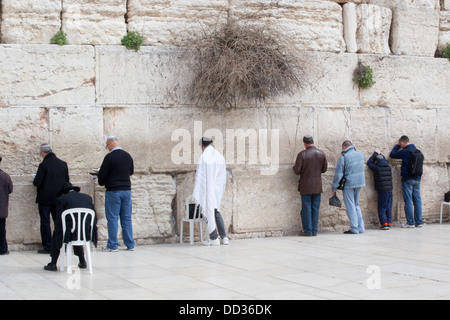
[(215, 242), (225, 241), (409, 226)]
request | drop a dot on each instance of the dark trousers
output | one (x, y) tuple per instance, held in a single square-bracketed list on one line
[(46, 232), (220, 226), (3, 243), (385, 207)]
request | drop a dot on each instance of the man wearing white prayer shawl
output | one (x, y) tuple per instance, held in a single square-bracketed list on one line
[(210, 181)]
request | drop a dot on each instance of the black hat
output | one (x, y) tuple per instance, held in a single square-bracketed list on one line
[(67, 186)]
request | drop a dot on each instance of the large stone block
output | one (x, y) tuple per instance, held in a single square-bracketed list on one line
[(265, 203), (309, 25), (174, 22), (29, 21), (418, 82), (420, 126), (47, 75), (21, 133), (445, 5), (367, 28), (292, 124), (175, 135), (326, 80), (152, 196), (94, 22), (374, 23), (367, 138), (131, 126), (444, 30), (415, 31), (76, 135), (393, 4), (433, 186), (152, 76), (442, 133), (333, 127), (350, 26)]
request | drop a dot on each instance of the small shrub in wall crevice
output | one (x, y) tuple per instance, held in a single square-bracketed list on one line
[(132, 40), (59, 38), (363, 76)]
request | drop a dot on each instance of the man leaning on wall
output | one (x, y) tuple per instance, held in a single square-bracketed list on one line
[(310, 165), (51, 175)]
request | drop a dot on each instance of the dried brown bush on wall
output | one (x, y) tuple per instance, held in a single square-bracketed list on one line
[(242, 63)]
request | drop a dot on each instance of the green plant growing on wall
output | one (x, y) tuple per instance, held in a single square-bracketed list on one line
[(132, 40), (363, 76), (446, 51), (59, 38)]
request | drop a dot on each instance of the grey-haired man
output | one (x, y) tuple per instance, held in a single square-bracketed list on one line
[(51, 175)]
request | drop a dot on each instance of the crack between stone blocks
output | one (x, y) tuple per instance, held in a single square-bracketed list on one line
[(126, 13), (61, 15)]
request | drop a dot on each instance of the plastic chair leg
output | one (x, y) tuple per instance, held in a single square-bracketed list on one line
[(201, 231), (89, 256), (181, 231), (191, 232), (62, 254), (69, 258)]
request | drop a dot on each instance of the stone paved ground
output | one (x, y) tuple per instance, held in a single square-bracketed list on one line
[(396, 264)]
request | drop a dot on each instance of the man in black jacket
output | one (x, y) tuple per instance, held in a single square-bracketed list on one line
[(69, 198), (114, 174), (383, 184), (51, 175)]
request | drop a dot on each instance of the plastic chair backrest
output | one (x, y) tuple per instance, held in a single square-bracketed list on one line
[(78, 219), (196, 213)]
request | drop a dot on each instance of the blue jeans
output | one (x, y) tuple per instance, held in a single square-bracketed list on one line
[(354, 214), (310, 212), (411, 197), (118, 205)]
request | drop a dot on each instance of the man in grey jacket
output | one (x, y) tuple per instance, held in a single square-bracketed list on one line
[(351, 166)]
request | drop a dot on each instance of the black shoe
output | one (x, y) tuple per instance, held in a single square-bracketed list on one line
[(4, 253), (44, 251), (51, 267), (82, 265), (349, 232)]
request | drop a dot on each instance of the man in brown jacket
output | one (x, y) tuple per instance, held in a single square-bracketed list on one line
[(310, 165), (6, 187)]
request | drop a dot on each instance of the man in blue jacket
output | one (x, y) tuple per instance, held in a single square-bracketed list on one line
[(410, 184), (351, 166)]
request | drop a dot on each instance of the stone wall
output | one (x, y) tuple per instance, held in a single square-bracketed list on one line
[(74, 95)]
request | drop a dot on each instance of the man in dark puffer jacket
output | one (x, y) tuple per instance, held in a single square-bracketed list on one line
[(383, 184)]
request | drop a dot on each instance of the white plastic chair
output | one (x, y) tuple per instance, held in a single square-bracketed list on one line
[(77, 220), (197, 217), (442, 208)]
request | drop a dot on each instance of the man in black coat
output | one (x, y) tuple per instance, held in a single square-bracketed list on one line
[(383, 184), (51, 175), (6, 188), (70, 198)]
